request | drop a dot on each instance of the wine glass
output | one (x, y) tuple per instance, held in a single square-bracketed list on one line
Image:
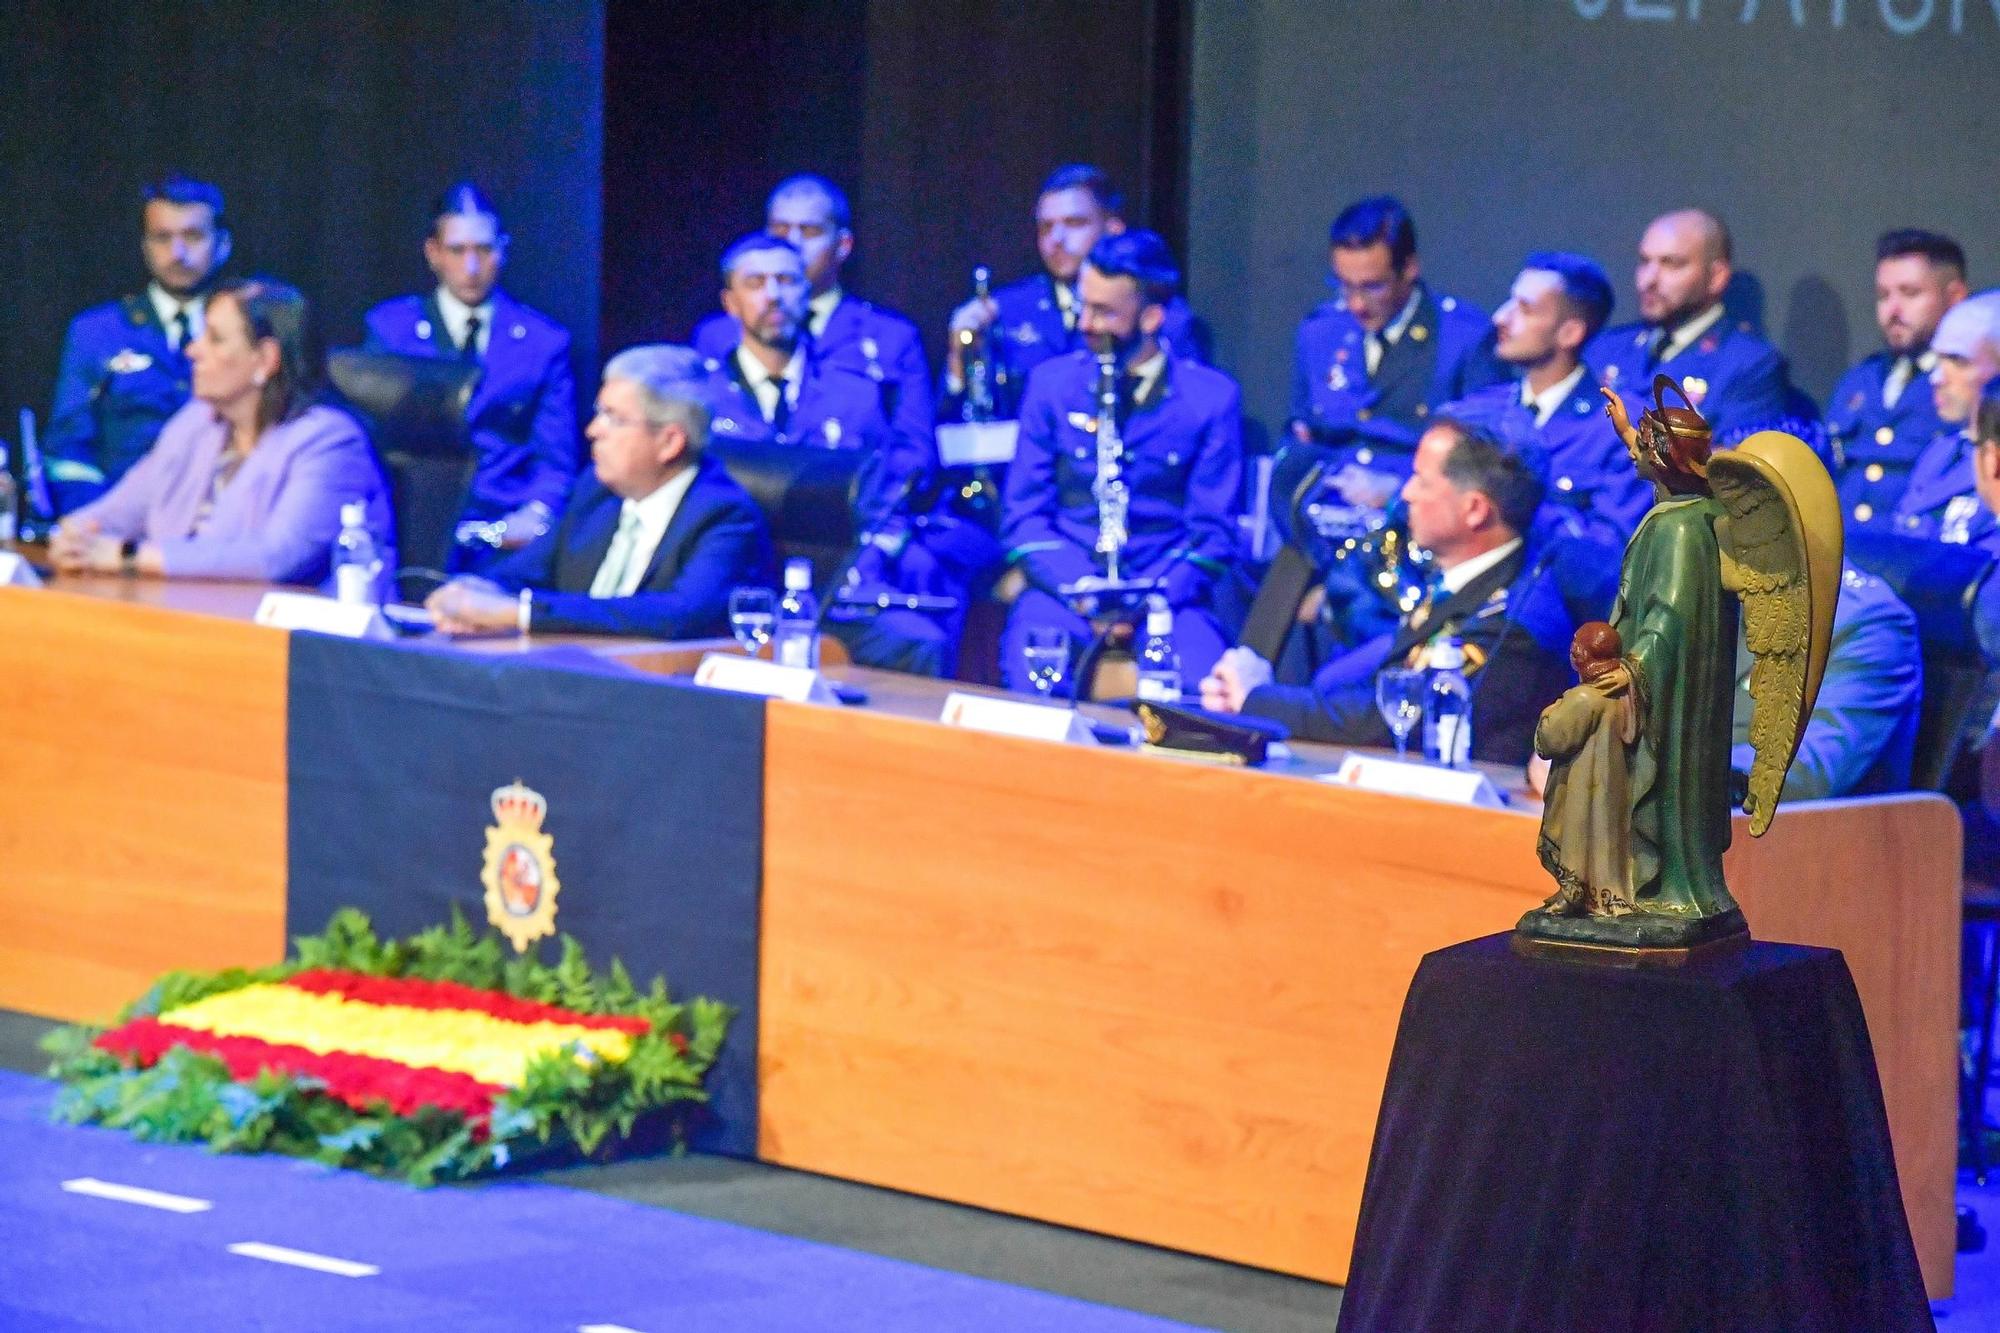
[(1045, 651), (752, 614), (1399, 697)]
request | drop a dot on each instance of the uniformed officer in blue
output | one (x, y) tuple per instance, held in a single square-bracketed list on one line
[(1030, 321), (772, 387), (1180, 423), (124, 363), (1369, 366), (1558, 303), (813, 214), (1955, 482), (522, 415), (1881, 414), (1736, 379)]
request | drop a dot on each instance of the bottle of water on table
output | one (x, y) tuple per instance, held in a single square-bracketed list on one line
[(1448, 706), (357, 560), (1159, 665), (795, 638)]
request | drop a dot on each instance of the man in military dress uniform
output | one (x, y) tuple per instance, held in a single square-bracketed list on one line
[(772, 387), (1472, 498), (1881, 414), (522, 414), (1370, 366), (1181, 464), (1030, 321), (1734, 378), (1943, 498), (1557, 305), (812, 213), (124, 364)]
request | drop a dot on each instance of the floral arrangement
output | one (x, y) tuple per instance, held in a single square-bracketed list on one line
[(431, 1058)]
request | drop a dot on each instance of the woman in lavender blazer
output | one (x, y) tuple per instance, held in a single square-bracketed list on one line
[(247, 480)]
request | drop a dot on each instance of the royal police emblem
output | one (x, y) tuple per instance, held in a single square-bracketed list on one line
[(520, 873)]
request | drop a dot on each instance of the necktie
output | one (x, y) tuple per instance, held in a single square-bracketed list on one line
[(1066, 299), (1657, 347), (1899, 379), (610, 580), (468, 350), (183, 331), (1372, 348), (779, 414)]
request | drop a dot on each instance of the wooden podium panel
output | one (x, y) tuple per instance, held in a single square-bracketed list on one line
[(142, 797), (1157, 999)]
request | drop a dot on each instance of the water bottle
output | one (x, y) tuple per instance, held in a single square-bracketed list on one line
[(9, 501), (1448, 706), (357, 561), (795, 638), (1159, 665)]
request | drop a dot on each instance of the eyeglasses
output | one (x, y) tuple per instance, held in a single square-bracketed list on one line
[(1379, 287)]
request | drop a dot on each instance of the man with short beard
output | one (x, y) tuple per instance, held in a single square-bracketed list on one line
[(1943, 499), (1882, 415)]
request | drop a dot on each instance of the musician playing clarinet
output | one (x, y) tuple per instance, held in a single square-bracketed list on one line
[(1128, 477)]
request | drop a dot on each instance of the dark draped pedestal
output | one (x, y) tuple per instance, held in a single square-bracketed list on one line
[(1575, 1146)]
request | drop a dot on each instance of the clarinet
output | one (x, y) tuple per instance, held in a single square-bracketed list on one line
[(979, 404), (1113, 499)]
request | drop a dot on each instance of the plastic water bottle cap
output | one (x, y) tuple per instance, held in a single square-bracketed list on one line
[(1159, 621), (1448, 654), (353, 514), (798, 575)]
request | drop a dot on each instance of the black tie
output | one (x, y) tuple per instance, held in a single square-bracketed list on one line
[(781, 410), (1656, 347), (469, 349), (183, 331)]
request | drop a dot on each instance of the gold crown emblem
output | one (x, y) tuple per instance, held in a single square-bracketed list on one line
[(516, 804)]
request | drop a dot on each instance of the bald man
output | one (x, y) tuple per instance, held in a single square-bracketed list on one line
[(1735, 378)]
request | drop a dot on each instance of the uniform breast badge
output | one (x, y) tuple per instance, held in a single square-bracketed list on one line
[(128, 362), (1027, 334), (520, 871)]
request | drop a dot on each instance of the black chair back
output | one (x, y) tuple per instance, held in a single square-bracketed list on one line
[(806, 493), (1274, 610), (1940, 583), (414, 409)]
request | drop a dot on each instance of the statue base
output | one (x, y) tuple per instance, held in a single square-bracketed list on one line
[(1637, 939)]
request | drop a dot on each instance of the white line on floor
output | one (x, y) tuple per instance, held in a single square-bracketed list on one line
[(322, 1263), (104, 1189)]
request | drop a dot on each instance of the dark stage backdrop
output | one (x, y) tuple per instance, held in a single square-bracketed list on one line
[(1512, 125), (329, 128), (938, 119)]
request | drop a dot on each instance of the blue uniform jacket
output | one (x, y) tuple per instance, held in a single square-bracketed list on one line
[(1874, 447), (1735, 378), (522, 416), (1183, 468), (875, 342), (717, 540), (119, 382), (1863, 728), (1445, 353), (1940, 500), (1029, 330), (1594, 491), (1516, 629)]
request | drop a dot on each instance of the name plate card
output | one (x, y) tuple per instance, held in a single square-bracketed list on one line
[(1396, 777), (1012, 717), (16, 572), (322, 615), (753, 675), (970, 443)]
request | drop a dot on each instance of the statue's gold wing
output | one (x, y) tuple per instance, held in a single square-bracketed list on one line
[(1780, 554)]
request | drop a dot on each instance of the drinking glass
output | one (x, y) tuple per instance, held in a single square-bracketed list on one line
[(752, 613), (1399, 697), (1045, 651)]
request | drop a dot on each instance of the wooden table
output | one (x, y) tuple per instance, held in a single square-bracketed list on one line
[(1106, 989)]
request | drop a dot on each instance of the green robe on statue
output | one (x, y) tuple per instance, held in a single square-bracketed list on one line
[(1678, 625)]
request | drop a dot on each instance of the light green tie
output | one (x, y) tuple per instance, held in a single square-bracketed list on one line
[(610, 580)]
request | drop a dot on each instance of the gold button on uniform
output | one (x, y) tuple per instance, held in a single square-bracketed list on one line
[(1873, 472), (1363, 414), (1364, 455), (1423, 410), (1864, 512), (1885, 436)]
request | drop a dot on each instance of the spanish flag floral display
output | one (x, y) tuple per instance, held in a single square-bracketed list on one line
[(431, 1058)]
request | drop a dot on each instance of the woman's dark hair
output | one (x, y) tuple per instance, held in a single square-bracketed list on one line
[(272, 309)]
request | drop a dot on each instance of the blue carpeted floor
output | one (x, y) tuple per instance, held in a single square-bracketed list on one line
[(508, 1255)]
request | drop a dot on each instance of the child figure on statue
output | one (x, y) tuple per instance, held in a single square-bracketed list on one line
[(1586, 734)]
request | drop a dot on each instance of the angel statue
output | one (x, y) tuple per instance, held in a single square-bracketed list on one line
[(1758, 524)]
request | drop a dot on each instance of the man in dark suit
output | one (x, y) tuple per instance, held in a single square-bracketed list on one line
[(522, 415), (1882, 415), (654, 538), (1371, 365), (1471, 500), (1736, 379), (124, 363)]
